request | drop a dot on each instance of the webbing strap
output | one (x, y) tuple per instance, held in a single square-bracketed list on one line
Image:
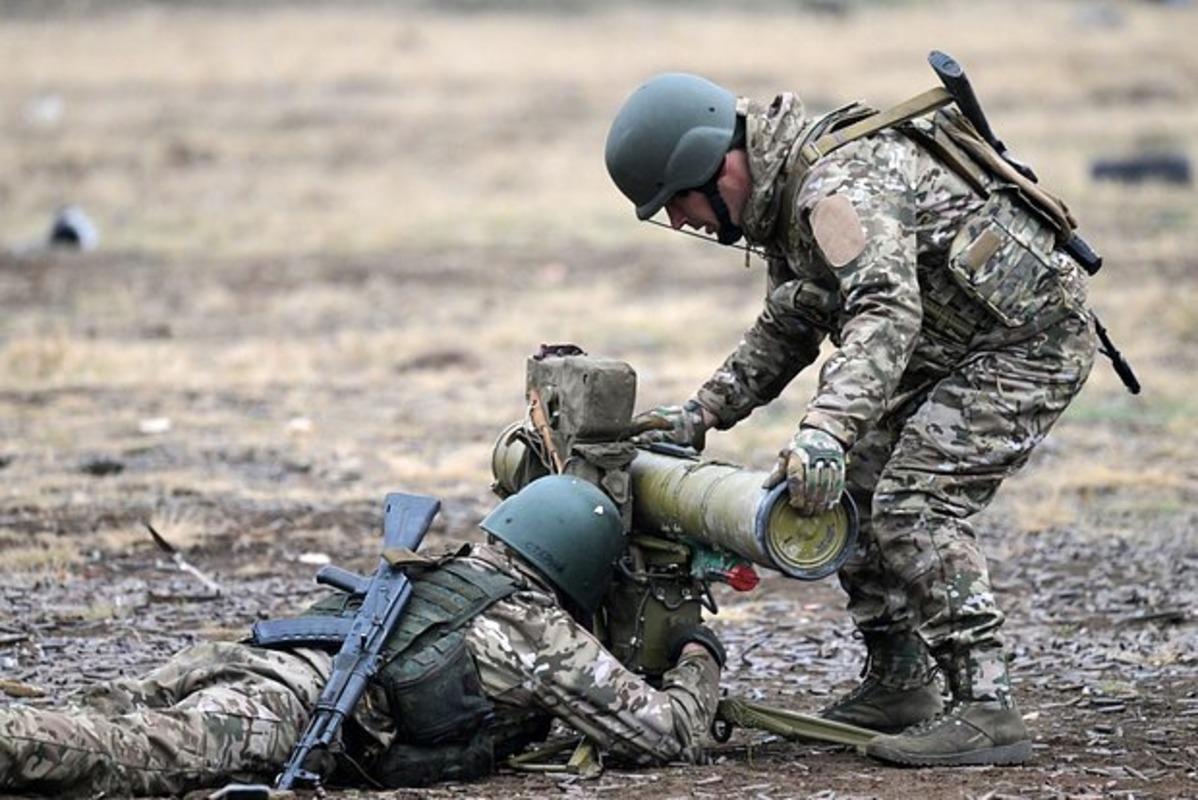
[(1051, 208), (864, 122), (917, 106)]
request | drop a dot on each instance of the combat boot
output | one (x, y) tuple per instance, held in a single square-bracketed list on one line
[(897, 690), (981, 726)]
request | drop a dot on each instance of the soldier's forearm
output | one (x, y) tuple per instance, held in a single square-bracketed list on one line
[(773, 351), (857, 381)]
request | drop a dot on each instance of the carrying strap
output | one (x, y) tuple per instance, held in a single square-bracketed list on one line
[(917, 106), (844, 125), (1054, 211), (954, 141)]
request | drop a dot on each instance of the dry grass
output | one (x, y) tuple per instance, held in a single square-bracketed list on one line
[(40, 558), (367, 218)]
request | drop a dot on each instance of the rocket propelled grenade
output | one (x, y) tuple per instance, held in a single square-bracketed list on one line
[(665, 490), (724, 505)]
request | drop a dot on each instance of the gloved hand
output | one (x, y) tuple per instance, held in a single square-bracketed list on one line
[(813, 467), (680, 637), (682, 425)]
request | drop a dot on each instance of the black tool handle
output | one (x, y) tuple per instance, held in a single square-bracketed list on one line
[(1122, 368), (1083, 253), (953, 76), (955, 80)]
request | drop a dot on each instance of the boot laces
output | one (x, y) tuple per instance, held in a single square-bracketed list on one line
[(860, 690)]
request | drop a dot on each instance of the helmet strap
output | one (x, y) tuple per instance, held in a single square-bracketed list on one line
[(729, 232)]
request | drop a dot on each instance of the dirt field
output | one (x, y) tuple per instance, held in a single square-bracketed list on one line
[(330, 236)]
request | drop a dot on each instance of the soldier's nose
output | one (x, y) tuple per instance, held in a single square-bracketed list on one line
[(677, 218)]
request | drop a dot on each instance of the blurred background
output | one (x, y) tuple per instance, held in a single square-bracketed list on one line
[(326, 235), (302, 250)]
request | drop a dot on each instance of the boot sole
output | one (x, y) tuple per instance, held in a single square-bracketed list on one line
[(1003, 755)]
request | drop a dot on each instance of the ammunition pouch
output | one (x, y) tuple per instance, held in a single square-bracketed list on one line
[(441, 715), (430, 680), (806, 300), (1002, 257), (436, 695), (405, 765)]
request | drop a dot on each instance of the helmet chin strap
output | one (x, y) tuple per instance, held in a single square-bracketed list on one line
[(729, 232), (757, 251)]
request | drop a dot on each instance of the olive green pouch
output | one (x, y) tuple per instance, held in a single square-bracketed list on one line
[(1002, 258)]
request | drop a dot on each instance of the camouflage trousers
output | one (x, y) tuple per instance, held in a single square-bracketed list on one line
[(214, 712), (966, 420)]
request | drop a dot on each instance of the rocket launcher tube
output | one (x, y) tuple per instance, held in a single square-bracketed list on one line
[(724, 505), (720, 505)]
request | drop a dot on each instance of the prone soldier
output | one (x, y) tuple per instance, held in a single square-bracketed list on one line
[(961, 331), (489, 650)]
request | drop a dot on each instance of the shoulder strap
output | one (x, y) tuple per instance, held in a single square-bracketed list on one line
[(1050, 207), (826, 136), (951, 135), (917, 106)]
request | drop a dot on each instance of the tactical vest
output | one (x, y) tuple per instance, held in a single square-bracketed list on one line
[(442, 717), (1003, 263)]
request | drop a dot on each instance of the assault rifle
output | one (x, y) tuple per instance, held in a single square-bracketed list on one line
[(406, 519)]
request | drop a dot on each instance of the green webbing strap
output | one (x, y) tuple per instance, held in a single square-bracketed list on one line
[(820, 144), (789, 724), (917, 106)]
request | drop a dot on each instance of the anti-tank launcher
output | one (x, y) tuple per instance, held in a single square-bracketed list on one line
[(691, 522)]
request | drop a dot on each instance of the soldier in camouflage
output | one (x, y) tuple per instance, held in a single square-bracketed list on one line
[(960, 336), (222, 710)]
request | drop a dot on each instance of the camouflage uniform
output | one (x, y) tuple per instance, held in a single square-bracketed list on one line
[(221, 710), (957, 351)]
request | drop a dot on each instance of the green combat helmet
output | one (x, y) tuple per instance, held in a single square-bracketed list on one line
[(671, 136), (567, 528)]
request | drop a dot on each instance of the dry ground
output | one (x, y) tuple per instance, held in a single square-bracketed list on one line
[(331, 235)]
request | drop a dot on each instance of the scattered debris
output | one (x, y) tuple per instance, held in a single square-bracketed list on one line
[(73, 228), (1170, 168), (154, 426), (181, 562), (299, 425), (44, 110), (18, 689), (446, 358), (102, 467), (315, 559)]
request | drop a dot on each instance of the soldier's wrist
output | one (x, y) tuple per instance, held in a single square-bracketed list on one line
[(703, 415)]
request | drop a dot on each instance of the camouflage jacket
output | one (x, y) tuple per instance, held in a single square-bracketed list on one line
[(533, 657), (893, 257)]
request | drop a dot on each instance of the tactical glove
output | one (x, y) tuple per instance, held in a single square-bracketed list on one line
[(813, 467), (682, 425), (699, 634)]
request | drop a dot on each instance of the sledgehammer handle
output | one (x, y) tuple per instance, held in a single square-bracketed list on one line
[(957, 82)]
